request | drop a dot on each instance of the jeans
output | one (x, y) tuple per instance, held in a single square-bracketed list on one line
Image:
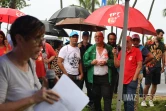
[(129, 91)]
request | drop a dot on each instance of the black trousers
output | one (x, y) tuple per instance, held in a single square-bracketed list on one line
[(89, 88), (102, 88), (114, 82)]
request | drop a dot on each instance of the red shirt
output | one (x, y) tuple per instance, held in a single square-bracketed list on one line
[(132, 57), (4, 50), (40, 69)]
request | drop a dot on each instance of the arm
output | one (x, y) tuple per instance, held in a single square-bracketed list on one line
[(116, 61), (50, 53), (80, 70), (51, 58), (148, 58), (163, 63), (42, 95), (61, 66), (138, 69)]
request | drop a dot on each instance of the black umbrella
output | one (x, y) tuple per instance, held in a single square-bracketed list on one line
[(55, 31), (69, 12)]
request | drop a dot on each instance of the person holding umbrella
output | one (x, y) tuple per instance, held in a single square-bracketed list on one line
[(20, 88)]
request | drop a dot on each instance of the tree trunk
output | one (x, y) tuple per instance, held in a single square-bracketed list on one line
[(151, 7), (61, 4), (93, 5), (12, 4)]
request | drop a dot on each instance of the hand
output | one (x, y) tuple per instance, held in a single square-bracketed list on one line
[(102, 63), (94, 62), (6, 43), (46, 61), (114, 51), (45, 95), (147, 70), (162, 70), (79, 45), (80, 77)]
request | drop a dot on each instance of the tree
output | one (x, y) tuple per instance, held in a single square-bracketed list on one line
[(18, 4), (88, 4), (150, 11)]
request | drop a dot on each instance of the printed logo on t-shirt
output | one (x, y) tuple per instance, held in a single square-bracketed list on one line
[(130, 58), (73, 59)]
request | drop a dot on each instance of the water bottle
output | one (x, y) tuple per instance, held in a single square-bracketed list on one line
[(50, 75)]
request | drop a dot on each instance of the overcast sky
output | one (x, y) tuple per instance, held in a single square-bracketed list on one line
[(43, 9)]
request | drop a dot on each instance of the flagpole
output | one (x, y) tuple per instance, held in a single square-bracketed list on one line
[(123, 56)]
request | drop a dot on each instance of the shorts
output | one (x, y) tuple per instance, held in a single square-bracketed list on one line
[(153, 77)]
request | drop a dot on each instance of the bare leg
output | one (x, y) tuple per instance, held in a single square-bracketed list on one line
[(153, 91), (146, 90)]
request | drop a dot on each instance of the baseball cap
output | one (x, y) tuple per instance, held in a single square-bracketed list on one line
[(73, 33), (85, 33), (135, 36)]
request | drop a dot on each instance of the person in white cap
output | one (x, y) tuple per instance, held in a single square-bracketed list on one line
[(147, 57)]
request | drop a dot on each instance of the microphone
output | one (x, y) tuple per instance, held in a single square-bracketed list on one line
[(50, 75)]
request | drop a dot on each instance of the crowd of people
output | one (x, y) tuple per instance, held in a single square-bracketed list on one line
[(23, 67)]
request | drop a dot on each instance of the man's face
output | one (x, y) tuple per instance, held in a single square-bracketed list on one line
[(112, 40), (136, 42), (74, 39), (99, 38), (160, 36), (85, 38), (128, 43)]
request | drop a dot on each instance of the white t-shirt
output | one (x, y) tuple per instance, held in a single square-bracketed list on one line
[(16, 84), (71, 56), (101, 70)]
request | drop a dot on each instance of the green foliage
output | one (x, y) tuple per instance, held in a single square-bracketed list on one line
[(159, 103), (111, 2), (87, 4), (19, 3)]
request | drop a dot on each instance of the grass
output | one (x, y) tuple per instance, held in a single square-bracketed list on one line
[(159, 102)]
